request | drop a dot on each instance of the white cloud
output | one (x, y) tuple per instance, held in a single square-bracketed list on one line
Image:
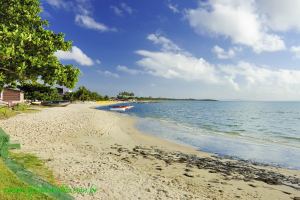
[(255, 79), (125, 69), (98, 61), (237, 20), (173, 7), (174, 62), (117, 10), (108, 73), (242, 79), (175, 65), (122, 9), (58, 3), (83, 13), (280, 15), (296, 51), (166, 44), (89, 22), (126, 8), (75, 54), (223, 54)]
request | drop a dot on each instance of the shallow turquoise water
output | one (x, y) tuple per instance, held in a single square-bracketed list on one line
[(267, 132)]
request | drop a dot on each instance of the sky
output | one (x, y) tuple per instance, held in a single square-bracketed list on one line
[(219, 49)]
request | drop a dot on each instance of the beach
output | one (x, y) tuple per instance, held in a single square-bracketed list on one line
[(88, 147)]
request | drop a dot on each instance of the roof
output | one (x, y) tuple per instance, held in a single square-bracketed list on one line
[(15, 89)]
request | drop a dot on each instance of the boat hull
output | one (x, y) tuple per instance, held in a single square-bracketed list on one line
[(121, 108), (56, 103)]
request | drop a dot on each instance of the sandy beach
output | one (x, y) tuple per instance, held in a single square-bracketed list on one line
[(87, 147)]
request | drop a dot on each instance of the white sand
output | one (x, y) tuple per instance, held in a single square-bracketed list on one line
[(76, 141)]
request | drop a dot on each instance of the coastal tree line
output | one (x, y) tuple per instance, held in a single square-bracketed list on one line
[(41, 92)]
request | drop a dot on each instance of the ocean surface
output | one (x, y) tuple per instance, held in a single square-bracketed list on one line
[(264, 132)]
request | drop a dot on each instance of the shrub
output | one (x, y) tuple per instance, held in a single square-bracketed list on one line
[(20, 107)]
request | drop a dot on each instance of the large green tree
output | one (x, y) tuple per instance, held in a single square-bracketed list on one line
[(27, 47), (40, 92), (83, 94)]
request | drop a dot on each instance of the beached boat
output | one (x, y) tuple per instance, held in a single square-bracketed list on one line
[(56, 103), (121, 108), (37, 103)]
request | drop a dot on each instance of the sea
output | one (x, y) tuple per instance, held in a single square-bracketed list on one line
[(261, 132)]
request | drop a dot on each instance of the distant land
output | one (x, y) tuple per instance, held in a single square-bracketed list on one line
[(171, 99)]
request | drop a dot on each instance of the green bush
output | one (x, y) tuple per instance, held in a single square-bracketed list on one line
[(20, 107), (6, 112), (37, 91), (83, 94)]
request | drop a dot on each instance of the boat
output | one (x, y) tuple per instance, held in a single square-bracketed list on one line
[(56, 103), (120, 108), (36, 103)]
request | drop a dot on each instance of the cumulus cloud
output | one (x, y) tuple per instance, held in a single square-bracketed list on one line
[(173, 62), (223, 54), (165, 43), (125, 69), (246, 79), (83, 13), (108, 73), (252, 78), (122, 9), (237, 20), (89, 22), (75, 54), (117, 10), (280, 15), (296, 51), (127, 8), (98, 61), (173, 7), (59, 3), (175, 65)]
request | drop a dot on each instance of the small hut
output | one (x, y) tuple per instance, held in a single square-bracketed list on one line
[(11, 96)]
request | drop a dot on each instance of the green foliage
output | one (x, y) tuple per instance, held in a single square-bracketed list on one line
[(20, 107), (125, 95), (105, 98), (83, 94), (27, 48), (37, 91), (6, 112)]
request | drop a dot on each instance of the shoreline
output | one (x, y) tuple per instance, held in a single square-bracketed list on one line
[(89, 147)]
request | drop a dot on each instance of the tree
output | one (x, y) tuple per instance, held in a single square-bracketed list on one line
[(27, 48), (40, 92), (83, 94), (125, 95)]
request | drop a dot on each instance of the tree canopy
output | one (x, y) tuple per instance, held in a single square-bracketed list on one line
[(83, 94), (40, 92), (125, 95), (27, 48)]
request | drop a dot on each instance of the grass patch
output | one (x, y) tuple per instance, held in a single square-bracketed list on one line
[(34, 164), (6, 112), (20, 107), (10, 180)]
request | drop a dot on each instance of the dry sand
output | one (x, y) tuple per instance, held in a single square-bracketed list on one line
[(87, 147)]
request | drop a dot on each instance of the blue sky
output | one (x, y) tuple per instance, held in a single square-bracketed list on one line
[(225, 49)]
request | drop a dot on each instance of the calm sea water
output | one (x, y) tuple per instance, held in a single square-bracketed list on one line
[(266, 132)]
